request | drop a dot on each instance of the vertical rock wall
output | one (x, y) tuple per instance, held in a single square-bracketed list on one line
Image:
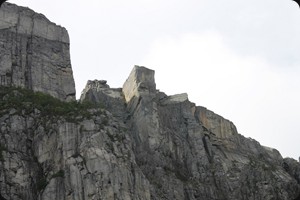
[(215, 123), (49, 158), (188, 152), (34, 53), (135, 143)]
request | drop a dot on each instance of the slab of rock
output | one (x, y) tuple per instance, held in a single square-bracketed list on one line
[(175, 98), (112, 99), (215, 123), (140, 81), (34, 53)]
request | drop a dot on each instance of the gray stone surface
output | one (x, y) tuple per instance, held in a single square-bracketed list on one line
[(148, 146), (223, 128), (34, 53), (135, 143), (56, 159), (112, 99), (292, 167), (140, 81), (189, 152)]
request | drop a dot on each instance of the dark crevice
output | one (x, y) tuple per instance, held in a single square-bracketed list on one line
[(2, 198), (207, 148), (28, 73)]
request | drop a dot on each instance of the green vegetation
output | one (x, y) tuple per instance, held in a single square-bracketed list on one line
[(24, 100), (41, 184), (60, 173)]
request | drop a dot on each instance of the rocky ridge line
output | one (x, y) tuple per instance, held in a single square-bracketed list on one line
[(133, 142), (188, 152)]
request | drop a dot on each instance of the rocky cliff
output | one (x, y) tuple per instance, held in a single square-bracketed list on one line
[(34, 53), (133, 142)]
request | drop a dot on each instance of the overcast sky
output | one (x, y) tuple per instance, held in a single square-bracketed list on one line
[(240, 59)]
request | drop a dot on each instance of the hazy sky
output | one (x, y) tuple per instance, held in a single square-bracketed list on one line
[(240, 59)]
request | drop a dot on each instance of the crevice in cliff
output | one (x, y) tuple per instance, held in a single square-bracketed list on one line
[(28, 73), (207, 147), (133, 104), (2, 198)]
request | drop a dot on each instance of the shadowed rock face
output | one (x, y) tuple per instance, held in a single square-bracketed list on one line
[(127, 143), (34, 53)]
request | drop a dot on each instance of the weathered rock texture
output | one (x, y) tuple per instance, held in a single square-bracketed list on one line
[(188, 152), (66, 156), (128, 143), (132, 143), (34, 53), (110, 98)]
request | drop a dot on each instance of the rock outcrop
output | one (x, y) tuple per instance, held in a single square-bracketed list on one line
[(112, 99), (34, 53), (133, 142), (188, 152), (86, 154)]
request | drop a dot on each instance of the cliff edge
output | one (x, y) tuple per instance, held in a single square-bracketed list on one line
[(186, 151), (134, 142), (34, 53)]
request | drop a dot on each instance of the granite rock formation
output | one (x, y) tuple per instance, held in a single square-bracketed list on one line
[(34, 53), (188, 152), (111, 99), (134, 142)]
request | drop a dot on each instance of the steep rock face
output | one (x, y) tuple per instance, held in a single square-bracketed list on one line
[(158, 149), (188, 152), (127, 143), (221, 127), (34, 53), (86, 154), (293, 168)]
